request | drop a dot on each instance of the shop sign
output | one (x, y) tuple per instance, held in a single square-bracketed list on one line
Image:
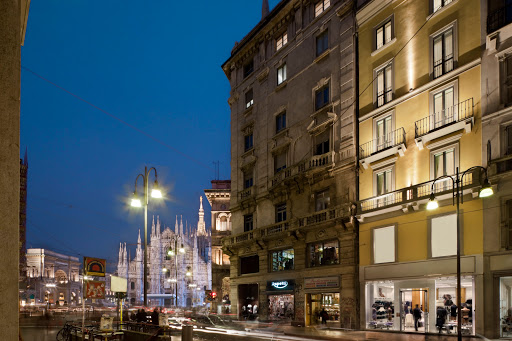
[(94, 289), (94, 266), (322, 282), (281, 285)]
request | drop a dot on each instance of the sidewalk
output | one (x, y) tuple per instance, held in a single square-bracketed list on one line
[(332, 334)]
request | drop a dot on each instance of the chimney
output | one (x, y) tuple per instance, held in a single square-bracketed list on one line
[(264, 9)]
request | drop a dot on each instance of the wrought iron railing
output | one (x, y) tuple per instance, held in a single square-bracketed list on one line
[(414, 193), (443, 66), (499, 18), (246, 193), (384, 96), (453, 114), (392, 139)]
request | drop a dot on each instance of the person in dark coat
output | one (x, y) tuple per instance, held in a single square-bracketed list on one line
[(416, 313), (324, 316), (154, 317), (141, 316), (441, 314)]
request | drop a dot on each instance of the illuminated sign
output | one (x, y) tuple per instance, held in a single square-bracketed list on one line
[(280, 285)]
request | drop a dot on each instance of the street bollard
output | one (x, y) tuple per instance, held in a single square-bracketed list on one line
[(186, 333)]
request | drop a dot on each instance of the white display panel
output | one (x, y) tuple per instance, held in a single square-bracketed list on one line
[(444, 235), (384, 245)]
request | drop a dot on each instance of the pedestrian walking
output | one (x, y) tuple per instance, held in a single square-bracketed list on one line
[(154, 317), (417, 316), (324, 315)]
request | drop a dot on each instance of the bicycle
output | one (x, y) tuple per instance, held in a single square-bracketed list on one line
[(65, 333)]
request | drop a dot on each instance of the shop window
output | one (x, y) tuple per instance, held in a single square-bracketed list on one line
[(505, 306), (322, 142), (249, 265), (249, 99), (248, 178), (443, 235), (384, 245), (280, 122), (281, 41), (322, 43), (321, 6), (322, 200), (328, 302), (279, 162), (443, 53), (280, 307), (248, 68), (282, 260), (384, 33), (383, 84), (281, 74), (248, 222), (380, 305), (323, 253), (280, 213)]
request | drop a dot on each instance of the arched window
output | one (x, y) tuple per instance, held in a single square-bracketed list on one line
[(132, 285)]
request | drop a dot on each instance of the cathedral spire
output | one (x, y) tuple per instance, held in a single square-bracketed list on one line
[(138, 240), (158, 226), (176, 230), (153, 228), (264, 9), (181, 224), (201, 226)]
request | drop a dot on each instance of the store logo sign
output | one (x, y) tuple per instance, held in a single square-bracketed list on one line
[(280, 285)]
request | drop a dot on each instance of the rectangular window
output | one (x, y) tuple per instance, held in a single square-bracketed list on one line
[(322, 43), (281, 41), (281, 74), (445, 111), (280, 122), (506, 234), (248, 142), (384, 182), (508, 81), (249, 99), (279, 162), (384, 88), (280, 213), (321, 6), (384, 245), (443, 53), (438, 4), (508, 139), (248, 226), (444, 163), (443, 232), (248, 68), (249, 265), (323, 253), (384, 132), (248, 178), (322, 200), (282, 260), (322, 144), (322, 97), (383, 34)]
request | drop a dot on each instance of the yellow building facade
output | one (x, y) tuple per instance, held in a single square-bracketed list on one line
[(419, 119)]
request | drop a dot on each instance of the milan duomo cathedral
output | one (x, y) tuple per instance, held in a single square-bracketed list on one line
[(191, 276)]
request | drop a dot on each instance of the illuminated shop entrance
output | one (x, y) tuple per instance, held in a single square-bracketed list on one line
[(414, 310)]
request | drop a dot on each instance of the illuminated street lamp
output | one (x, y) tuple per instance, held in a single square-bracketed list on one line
[(457, 193), (157, 194)]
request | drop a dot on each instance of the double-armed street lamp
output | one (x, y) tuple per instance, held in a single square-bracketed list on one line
[(172, 252), (157, 194), (457, 195)]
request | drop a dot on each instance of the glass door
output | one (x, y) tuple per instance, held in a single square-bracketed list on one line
[(414, 310)]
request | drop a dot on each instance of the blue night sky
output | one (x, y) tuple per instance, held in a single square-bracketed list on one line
[(157, 66)]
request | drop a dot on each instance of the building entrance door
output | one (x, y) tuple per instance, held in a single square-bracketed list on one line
[(409, 298)]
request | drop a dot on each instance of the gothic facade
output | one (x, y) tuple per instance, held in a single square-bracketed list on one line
[(178, 262)]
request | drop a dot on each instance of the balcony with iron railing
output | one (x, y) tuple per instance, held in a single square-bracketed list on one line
[(444, 122), (500, 166), (499, 18), (284, 227), (246, 193), (412, 196), (382, 147)]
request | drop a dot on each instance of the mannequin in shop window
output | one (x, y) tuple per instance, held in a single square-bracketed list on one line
[(465, 314), (453, 312)]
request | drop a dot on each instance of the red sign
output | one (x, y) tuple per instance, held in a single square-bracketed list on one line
[(94, 289), (95, 266)]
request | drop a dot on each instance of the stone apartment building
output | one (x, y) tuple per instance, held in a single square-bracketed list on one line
[(293, 165), (497, 156)]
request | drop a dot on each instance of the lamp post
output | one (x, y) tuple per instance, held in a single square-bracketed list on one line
[(173, 252), (155, 193), (457, 193)]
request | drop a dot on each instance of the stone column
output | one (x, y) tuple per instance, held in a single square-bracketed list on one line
[(9, 165)]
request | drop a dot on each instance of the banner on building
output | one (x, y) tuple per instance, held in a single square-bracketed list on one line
[(94, 266), (94, 289), (118, 284), (322, 282)]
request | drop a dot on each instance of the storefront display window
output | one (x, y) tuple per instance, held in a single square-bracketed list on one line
[(380, 299), (506, 307), (282, 260), (281, 307), (323, 305), (323, 253)]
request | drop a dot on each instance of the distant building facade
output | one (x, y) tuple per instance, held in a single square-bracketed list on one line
[(293, 165), (219, 198), (23, 218), (52, 278), (167, 274)]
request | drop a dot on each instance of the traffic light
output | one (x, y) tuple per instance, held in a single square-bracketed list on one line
[(213, 295), (210, 295)]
